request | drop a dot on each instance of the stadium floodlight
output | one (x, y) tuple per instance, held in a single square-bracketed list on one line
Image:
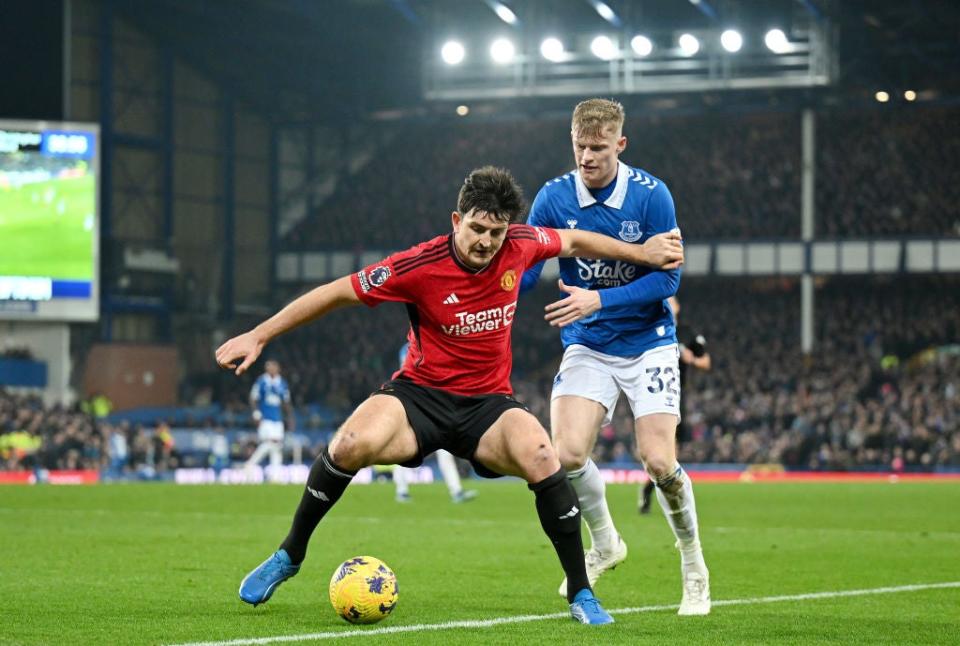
[(731, 40), (503, 12), (452, 52), (689, 45), (882, 96), (606, 12), (642, 46), (552, 49), (502, 51), (776, 41), (603, 47), (910, 95)]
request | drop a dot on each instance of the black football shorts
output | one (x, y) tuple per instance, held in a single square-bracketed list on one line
[(442, 420)]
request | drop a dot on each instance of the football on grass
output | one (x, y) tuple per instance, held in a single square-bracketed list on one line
[(363, 590)]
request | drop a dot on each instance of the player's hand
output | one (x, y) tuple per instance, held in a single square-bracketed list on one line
[(664, 250), (580, 303), (240, 352), (686, 355)]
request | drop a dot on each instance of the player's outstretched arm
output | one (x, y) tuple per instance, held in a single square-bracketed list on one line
[(662, 251), (241, 351)]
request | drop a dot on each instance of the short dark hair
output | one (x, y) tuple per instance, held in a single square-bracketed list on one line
[(494, 191)]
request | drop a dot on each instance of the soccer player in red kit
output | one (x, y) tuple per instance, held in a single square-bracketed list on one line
[(453, 391)]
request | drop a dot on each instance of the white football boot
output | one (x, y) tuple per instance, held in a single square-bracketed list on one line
[(599, 562), (696, 593)]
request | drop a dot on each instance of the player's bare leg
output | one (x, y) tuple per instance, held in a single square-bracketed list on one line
[(377, 433), (656, 445), (518, 445), (575, 422)]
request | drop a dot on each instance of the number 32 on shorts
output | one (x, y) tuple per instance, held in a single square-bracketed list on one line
[(663, 379)]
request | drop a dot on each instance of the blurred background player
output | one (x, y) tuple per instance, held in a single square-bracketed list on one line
[(693, 353), (219, 451), (269, 400), (618, 336), (402, 476)]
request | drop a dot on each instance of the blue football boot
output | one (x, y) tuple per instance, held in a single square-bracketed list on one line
[(586, 609), (258, 586)]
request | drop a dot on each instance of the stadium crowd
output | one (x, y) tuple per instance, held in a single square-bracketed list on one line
[(733, 176), (872, 393), (34, 436), (889, 172), (881, 389), (710, 163), (16, 352), (863, 397)]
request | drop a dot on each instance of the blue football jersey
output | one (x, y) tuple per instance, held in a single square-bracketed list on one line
[(270, 393), (634, 208)]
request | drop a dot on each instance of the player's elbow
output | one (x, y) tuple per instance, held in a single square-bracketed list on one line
[(574, 242), (670, 284)]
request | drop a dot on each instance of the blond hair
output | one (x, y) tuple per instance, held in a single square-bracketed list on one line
[(593, 116)]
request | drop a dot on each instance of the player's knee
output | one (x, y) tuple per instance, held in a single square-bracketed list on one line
[(350, 451), (658, 466), (572, 458), (540, 462)]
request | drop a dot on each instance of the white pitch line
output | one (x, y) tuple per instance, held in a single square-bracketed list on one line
[(914, 533), (487, 623)]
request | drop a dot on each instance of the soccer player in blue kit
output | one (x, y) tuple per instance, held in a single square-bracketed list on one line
[(269, 399), (618, 335)]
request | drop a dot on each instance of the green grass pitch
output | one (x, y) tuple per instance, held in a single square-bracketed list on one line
[(46, 229), (161, 564)]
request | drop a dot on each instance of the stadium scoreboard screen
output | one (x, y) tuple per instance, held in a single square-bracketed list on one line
[(49, 221)]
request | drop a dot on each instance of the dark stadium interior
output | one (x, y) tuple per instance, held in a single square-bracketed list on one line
[(383, 174), (175, 172)]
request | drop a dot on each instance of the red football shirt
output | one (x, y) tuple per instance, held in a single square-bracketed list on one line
[(459, 317)]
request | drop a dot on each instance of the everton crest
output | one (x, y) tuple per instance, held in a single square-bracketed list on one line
[(630, 231)]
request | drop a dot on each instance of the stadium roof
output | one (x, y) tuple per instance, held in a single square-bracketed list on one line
[(306, 59)]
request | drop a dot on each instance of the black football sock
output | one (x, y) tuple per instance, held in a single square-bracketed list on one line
[(559, 512), (325, 485), (648, 490)]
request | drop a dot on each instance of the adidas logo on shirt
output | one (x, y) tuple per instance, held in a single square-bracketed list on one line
[(451, 299)]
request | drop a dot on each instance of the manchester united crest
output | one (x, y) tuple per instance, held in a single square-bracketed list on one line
[(508, 280)]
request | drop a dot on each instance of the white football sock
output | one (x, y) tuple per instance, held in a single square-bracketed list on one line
[(401, 478), (592, 490), (675, 493), (448, 469)]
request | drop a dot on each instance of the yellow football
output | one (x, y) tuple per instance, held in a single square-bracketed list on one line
[(363, 590)]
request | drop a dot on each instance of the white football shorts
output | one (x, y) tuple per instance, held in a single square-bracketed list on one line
[(270, 430), (650, 381)]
